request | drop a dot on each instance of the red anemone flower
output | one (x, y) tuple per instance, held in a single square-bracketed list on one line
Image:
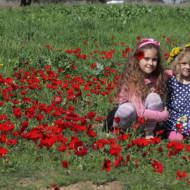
[(107, 165), (158, 167), (139, 55), (65, 164)]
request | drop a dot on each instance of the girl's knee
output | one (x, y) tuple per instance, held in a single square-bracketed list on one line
[(126, 110), (153, 102)]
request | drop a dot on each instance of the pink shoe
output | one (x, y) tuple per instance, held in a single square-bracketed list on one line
[(175, 136)]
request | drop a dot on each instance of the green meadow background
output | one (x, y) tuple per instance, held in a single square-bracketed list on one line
[(24, 34)]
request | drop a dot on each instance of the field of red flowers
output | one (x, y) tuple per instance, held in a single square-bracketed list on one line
[(60, 106)]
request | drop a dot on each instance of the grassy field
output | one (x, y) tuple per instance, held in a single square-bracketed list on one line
[(58, 68)]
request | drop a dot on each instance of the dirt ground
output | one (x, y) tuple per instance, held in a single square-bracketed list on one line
[(87, 185), (115, 185)]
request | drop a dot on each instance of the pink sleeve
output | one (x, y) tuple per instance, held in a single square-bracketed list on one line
[(157, 116), (168, 74)]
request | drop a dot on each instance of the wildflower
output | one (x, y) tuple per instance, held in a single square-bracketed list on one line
[(118, 161), (181, 175), (116, 119), (65, 164), (3, 151), (115, 149), (128, 156), (138, 38), (90, 133), (49, 47), (158, 167), (1, 65), (80, 150), (141, 120), (62, 148), (107, 165), (11, 142), (17, 112), (91, 115), (57, 100)]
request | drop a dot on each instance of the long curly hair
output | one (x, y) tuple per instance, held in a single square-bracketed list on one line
[(184, 51), (132, 75)]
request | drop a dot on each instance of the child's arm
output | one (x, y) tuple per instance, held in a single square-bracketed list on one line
[(157, 116), (168, 74)]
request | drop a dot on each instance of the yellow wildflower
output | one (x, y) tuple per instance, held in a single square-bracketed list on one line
[(1, 65)]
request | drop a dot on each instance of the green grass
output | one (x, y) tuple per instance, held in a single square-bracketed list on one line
[(24, 34)]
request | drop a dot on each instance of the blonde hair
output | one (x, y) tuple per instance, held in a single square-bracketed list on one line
[(184, 50), (132, 75)]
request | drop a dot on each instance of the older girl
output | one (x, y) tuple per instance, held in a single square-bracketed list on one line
[(141, 88)]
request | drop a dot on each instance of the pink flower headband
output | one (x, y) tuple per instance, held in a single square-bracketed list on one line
[(146, 41)]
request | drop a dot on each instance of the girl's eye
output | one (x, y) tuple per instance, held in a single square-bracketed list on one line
[(184, 63), (155, 59), (148, 58)]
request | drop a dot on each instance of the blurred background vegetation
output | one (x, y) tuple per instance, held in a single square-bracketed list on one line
[(93, 1)]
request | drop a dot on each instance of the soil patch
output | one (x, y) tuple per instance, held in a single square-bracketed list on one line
[(88, 185)]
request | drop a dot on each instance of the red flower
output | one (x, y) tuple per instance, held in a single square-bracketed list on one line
[(187, 148), (118, 161), (80, 151), (141, 120), (160, 149), (91, 115), (3, 151), (49, 47), (157, 166), (123, 137), (159, 132), (181, 175), (107, 165), (91, 133), (11, 142), (65, 164), (168, 40), (57, 100), (138, 38), (116, 119), (128, 156), (62, 148), (115, 149), (17, 112), (139, 55)]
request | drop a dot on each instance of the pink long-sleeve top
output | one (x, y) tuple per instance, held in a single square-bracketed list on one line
[(147, 114)]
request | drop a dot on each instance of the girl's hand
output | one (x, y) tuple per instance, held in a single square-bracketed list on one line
[(165, 108)]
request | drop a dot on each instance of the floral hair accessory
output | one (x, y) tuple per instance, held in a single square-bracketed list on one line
[(139, 55), (146, 41), (176, 51)]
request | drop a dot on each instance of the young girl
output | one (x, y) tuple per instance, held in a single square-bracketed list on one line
[(178, 99), (136, 93)]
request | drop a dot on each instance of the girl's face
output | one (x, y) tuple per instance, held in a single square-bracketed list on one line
[(185, 66), (149, 62)]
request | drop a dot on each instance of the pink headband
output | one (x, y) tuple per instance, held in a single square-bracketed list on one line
[(146, 41)]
